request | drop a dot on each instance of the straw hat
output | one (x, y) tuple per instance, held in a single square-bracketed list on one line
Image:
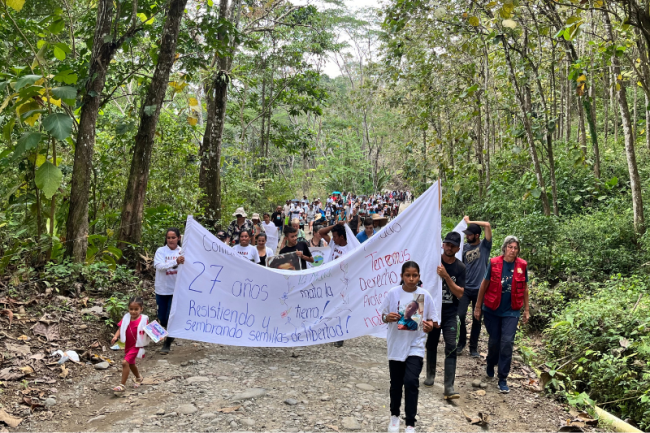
[(382, 221), (241, 211)]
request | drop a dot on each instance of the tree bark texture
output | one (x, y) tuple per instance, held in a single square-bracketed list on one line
[(635, 181), (102, 53), (134, 197)]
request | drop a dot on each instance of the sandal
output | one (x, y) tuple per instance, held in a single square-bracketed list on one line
[(119, 388), (137, 381)]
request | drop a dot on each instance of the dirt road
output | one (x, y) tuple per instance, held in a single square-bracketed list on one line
[(204, 387)]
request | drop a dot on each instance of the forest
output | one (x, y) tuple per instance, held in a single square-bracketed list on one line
[(120, 118)]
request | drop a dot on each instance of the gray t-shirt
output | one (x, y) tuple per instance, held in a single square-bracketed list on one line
[(476, 259)]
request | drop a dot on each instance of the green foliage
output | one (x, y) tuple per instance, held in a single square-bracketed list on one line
[(600, 345), (116, 306), (98, 277)]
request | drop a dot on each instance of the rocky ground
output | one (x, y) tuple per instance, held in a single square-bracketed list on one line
[(203, 387)]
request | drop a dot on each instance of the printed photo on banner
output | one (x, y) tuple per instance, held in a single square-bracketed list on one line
[(155, 331), (410, 307), (289, 261), (320, 255)]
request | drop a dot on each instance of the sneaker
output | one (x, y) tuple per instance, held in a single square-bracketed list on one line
[(503, 386), (474, 353), (409, 429), (393, 426), (459, 349), (489, 371)]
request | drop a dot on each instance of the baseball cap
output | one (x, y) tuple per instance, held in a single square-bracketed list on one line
[(472, 229), (452, 238), (221, 235)]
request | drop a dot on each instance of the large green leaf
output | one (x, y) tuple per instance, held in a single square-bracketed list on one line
[(67, 77), (59, 125), (48, 179), (64, 92), (27, 142), (27, 80)]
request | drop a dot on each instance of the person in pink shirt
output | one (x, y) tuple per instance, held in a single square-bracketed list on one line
[(131, 333)]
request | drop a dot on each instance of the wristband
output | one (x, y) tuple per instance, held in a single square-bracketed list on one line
[(383, 318)]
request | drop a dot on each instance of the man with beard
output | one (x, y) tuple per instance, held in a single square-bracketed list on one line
[(476, 255), (452, 272)]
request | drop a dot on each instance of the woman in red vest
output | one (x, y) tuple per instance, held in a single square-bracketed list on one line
[(503, 293)]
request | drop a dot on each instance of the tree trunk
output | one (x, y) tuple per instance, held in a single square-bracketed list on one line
[(524, 96), (210, 152), (568, 106), (635, 181), (102, 53), (134, 197), (211, 147), (594, 136), (583, 136)]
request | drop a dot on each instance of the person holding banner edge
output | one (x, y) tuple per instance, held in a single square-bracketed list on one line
[(300, 248), (452, 272), (476, 255), (166, 262)]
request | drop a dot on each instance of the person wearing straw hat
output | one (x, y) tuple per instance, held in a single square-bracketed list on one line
[(240, 224), (257, 225), (378, 221)]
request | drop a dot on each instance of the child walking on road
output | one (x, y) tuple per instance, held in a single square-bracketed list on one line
[(131, 333), (408, 310)]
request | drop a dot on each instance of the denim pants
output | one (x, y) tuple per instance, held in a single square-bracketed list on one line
[(502, 332), (469, 297), (405, 375), (448, 328), (164, 303)]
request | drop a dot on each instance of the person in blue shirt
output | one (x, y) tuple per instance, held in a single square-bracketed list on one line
[(368, 230)]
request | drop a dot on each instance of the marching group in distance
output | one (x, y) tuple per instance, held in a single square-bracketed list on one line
[(496, 288)]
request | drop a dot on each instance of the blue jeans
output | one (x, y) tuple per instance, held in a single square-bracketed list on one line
[(164, 303), (469, 297), (502, 332)]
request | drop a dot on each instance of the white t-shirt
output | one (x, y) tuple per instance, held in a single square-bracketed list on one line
[(406, 337), (164, 262), (338, 251), (248, 253), (270, 229)]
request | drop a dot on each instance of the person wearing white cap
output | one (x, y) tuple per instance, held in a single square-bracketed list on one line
[(237, 226)]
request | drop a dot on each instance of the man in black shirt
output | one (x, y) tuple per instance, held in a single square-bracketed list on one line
[(300, 248), (452, 272), (277, 217)]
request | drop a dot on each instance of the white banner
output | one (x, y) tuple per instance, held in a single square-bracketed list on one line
[(220, 298)]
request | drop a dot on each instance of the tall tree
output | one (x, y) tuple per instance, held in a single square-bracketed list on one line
[(105, 44), (134, 196)]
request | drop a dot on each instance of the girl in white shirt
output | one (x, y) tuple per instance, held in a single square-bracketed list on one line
[(263, 252), (245, 249), (408, 310), (166, 262)]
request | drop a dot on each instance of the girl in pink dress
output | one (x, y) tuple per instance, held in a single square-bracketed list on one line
[(131, 333)]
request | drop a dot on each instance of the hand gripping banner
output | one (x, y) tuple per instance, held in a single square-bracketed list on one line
[(224, 299)]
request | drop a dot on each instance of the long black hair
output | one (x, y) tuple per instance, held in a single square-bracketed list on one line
[(176, 232), (408, 265)]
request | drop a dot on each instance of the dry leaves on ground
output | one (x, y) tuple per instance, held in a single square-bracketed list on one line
[(481, 420), (11, 421), (18, 349), (49, 331), (9, 314)]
